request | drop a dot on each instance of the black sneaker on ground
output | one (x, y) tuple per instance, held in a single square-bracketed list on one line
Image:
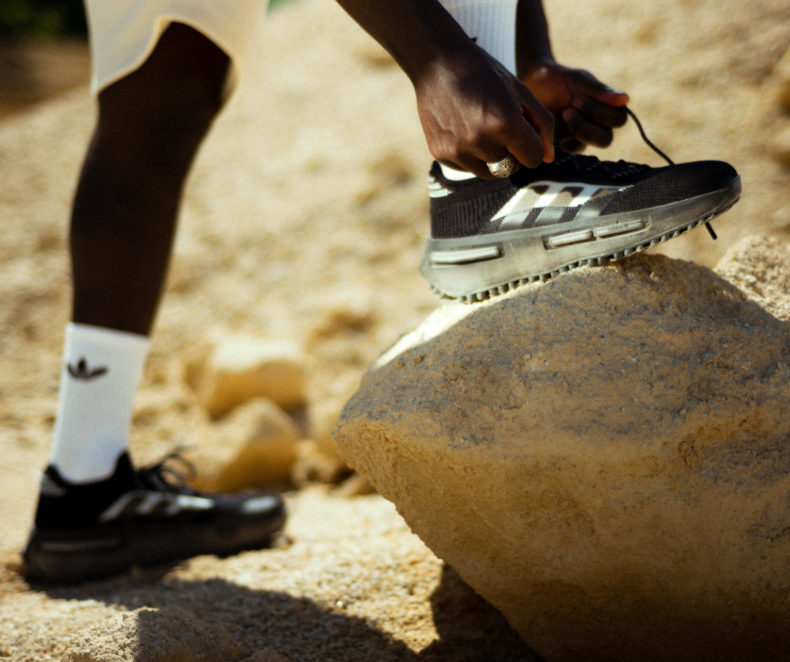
[(487, 237), (139, 517)]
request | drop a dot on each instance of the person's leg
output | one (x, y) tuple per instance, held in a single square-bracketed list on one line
[(149, 127), (96, 514)]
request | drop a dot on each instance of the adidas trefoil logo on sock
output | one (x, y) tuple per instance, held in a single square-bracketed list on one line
[(82, 371)]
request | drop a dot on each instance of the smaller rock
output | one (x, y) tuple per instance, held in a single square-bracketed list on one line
[(322, 419), (781, 146), (781, 76), (354, 485), (758, 266), (343, 316), (315, 466), (227, 371), (256, 448)]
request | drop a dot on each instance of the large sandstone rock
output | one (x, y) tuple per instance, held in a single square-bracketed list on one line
[(604, 457)]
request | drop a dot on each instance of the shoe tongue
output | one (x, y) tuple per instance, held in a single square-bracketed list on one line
[(596, 169)]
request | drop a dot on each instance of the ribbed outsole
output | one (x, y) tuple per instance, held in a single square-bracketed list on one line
[(596, 260)]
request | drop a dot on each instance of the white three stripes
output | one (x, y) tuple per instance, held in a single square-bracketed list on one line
[(552, 189)]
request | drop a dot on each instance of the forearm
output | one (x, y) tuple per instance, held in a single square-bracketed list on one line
[(472, 109), (532, 35), (417, 33)]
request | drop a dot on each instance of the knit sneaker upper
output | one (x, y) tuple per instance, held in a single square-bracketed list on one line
[(555, 192)]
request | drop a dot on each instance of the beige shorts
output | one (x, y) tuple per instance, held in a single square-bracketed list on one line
[(124, 32)]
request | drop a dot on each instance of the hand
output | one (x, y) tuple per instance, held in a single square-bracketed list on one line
[(587, 111), (474, 111)]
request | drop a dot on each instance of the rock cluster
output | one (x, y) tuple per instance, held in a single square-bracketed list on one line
[(255, 391), (227, 371), (604, 457), (781, 76)]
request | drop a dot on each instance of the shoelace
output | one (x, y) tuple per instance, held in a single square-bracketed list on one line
[(164, 475), (647, 140), (622, 168), (585, 163)]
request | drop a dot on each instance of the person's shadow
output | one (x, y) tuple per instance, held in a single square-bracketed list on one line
[(188, 614)]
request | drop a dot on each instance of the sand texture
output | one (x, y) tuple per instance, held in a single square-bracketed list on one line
[(304, 221)]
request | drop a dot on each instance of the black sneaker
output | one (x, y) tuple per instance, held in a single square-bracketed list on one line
[(489, 236), (143, 517)]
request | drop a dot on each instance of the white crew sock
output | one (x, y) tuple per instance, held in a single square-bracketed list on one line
[(492, 24), (102, 369)]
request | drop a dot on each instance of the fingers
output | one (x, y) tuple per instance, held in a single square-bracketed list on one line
[(606, 95), (570, 144), (542, 122), (518, 140), (475, 112), (591, 122), (585, 131), (595, 110), (564, 140), (600, 114), (585, 85), (526, 136)]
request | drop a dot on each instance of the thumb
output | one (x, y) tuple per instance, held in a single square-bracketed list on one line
[(611, 97), (589, 86)]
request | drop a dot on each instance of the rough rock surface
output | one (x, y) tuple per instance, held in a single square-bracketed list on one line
[(604, 457), (759, 267)]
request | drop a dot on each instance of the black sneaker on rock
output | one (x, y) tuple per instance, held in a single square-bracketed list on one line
[(490, 236), (140, 517)]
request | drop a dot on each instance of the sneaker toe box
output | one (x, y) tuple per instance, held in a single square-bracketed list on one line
[(674, 184)]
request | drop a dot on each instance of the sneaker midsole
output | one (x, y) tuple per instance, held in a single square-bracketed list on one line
[(463, 266)]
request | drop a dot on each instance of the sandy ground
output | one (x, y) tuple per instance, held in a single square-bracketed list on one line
[(307, 206)]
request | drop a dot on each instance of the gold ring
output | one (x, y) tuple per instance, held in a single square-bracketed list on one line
[(503, 168)]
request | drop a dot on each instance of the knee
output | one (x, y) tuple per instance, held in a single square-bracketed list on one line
[(174, 96)]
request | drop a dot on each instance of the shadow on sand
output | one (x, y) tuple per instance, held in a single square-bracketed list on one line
[(298, 629)]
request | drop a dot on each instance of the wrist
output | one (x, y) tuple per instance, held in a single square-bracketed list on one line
[(533, 44), (419, 34)]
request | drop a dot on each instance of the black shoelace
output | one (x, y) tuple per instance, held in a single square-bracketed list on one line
[(621, 168), (650, 144), (171, 473)]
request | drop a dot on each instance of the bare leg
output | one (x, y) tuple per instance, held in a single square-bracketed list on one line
[(149, 128)]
